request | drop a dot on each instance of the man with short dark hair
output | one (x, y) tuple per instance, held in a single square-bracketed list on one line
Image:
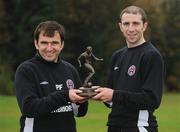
[(46, 85), (135, 83)]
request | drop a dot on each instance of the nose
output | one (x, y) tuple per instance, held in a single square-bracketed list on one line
[(131, 27), (49, 47)]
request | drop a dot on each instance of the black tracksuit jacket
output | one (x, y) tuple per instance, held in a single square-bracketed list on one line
[(137, 79), (43, 97)]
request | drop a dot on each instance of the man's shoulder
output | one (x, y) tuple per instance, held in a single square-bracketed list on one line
[(23, 67), (67, 64), (69, 67), (151, 50), (27, 63), (119, 52)]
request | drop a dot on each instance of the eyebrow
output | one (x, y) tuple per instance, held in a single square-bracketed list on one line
[(49, 41)]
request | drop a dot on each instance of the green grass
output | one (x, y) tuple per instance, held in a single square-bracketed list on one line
[(95, 120), (9, 114), (168, 115)]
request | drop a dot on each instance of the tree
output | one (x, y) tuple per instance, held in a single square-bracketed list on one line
[(87, 23), (171, 31)]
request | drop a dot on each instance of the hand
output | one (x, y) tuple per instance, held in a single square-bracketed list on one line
[(74, 97), (104, 94)]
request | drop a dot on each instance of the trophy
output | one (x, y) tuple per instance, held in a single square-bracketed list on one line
[(88, 90)]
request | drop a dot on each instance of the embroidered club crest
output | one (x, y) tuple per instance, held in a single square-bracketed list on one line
[(131, 70), (70, 84)]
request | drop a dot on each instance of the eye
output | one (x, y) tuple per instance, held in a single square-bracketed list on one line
[(55, 43), (44, 42), (126, 24), (136, 23)]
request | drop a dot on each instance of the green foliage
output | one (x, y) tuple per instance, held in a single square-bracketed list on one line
[(6, 84), (171, 48), (88, 23)]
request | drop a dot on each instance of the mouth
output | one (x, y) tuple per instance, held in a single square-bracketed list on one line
[(49, 54), (132, 35)]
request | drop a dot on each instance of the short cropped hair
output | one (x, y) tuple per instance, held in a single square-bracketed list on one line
[(49, 28), (134, 10)]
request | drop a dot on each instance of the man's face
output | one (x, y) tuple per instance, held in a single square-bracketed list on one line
[(49, 47), (133, 28)]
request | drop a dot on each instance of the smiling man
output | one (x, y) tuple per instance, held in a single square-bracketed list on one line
[(135, 82), (46, 85), (49, 47)]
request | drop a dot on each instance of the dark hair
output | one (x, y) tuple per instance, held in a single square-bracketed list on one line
[(134, 10), (49, 28)]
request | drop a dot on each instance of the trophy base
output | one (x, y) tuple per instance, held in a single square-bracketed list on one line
[(88, 91)]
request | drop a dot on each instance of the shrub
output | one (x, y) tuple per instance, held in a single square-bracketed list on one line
[(6, 83)]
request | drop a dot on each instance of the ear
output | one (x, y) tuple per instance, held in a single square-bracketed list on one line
[(36, 44), (62, 45), (120, 26), (145, 26)]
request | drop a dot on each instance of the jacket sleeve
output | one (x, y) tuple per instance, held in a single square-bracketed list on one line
[(152, 74), (110, 79), (80, 109), (28, 100)]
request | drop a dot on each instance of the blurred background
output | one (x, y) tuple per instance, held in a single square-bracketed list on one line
[(87, 22)]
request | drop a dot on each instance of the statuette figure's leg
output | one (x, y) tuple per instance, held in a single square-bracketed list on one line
[(91, 73)]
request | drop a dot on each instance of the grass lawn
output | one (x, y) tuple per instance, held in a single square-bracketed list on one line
[(168, 115)]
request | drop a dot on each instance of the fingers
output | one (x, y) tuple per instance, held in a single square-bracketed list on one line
[(100, 97), (98, 90), (74, 97), (100, 94), (97, 97), (77, 91), (104, 94)]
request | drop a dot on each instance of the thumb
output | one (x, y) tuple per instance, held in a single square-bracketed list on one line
[(78, 91), (99, 90)]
